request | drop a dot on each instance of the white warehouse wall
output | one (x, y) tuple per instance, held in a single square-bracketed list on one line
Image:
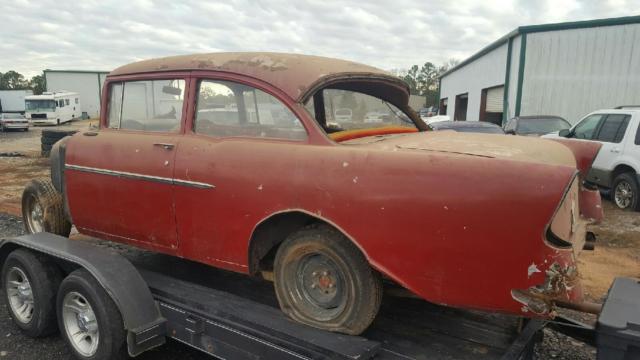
[(573, 72), (87, 84), (484, 72)]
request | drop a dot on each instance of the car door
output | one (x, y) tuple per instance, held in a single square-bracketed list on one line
[(609, 132), (121, 177), (233, 168)]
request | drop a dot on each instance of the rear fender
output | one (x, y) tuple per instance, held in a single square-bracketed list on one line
[(585, 153)]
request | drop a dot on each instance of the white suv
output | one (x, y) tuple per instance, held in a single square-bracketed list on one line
[(617, 166)]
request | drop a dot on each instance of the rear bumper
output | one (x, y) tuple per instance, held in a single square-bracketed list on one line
[(43, 121)]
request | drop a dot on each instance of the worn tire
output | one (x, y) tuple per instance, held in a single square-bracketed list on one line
[(44, 277), (111, 332), (42, 192), (342, 292), (628, 181)]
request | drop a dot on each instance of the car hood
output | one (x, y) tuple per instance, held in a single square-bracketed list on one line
[(517, 148)]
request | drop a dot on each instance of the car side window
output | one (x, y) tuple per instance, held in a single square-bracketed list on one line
[(587, 127), (637, 142), (226, 109), (613, 128), (149, 105)]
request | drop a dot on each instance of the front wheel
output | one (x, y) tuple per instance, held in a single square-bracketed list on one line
[(43, 209), (625, 192), (323, 280)]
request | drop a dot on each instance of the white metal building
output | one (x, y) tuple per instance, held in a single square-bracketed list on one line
[(86, 83), (566, 69)]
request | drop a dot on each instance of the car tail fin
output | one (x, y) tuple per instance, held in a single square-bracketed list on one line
[(585, 153)]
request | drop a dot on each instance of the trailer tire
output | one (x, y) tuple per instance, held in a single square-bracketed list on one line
[(43, 209), (33, 279), (86, 310), (323, 280)]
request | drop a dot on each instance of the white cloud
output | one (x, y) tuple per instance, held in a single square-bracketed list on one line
[(102, 35)]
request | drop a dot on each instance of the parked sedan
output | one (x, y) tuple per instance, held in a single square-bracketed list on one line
[(13, 121), (468, 126), (536, 125)]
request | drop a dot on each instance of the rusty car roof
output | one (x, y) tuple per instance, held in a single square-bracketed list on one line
[(296, 75)]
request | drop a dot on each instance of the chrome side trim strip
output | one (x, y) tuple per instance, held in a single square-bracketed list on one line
[(128, 175)]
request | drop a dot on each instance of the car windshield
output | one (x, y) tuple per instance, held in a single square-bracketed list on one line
[(541, 125), (349, 110), (40, 105)]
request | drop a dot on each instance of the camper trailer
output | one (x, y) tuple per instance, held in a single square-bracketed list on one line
[(52, 108)]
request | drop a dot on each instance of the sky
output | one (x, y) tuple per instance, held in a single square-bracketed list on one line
[(103, 34)]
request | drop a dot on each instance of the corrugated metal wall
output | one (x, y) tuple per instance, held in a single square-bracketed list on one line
[(573, 72), (87, 84), (485, 72)]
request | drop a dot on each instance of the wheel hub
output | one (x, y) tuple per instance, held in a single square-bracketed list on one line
[(623, 194), (80, 324), (35, 218), (321, 282), (20, 295)]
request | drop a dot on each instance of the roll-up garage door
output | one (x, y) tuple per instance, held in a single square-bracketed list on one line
[(494, 99)]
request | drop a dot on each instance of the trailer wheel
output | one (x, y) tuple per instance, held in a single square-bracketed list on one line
[(323, 280), (31, 281), (43, 209), (89, 320)]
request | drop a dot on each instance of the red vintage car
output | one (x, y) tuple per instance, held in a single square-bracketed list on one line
[(236, 160)]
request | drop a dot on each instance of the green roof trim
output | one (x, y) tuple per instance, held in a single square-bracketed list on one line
[(76, 71), (507, 77), (523, 57), (544, 28)]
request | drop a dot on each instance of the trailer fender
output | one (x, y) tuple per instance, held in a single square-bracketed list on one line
[(145, 326)]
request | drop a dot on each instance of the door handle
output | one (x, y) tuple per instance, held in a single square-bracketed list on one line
[(615, 150), (165, 146)]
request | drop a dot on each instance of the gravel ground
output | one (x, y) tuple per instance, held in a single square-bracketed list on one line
[(14, 345)]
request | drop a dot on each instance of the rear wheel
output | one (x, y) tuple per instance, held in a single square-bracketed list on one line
[(43, 209), (31, 281), (625, 192), (323, 280), (89, 320)]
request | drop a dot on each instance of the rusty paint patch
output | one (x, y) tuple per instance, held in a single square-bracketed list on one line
[(540, 299)]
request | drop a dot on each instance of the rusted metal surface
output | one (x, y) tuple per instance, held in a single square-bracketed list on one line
[(457, 219), (292, 73)]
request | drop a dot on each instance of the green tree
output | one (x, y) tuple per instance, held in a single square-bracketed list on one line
[(12, 80), (37, 84)]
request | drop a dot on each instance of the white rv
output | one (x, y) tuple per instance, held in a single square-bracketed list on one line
[(52, 108)]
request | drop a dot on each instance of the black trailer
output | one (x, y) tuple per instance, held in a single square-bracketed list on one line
[(231, 316)]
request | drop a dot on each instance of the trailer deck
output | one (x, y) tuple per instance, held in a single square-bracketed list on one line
[(234, 316)]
